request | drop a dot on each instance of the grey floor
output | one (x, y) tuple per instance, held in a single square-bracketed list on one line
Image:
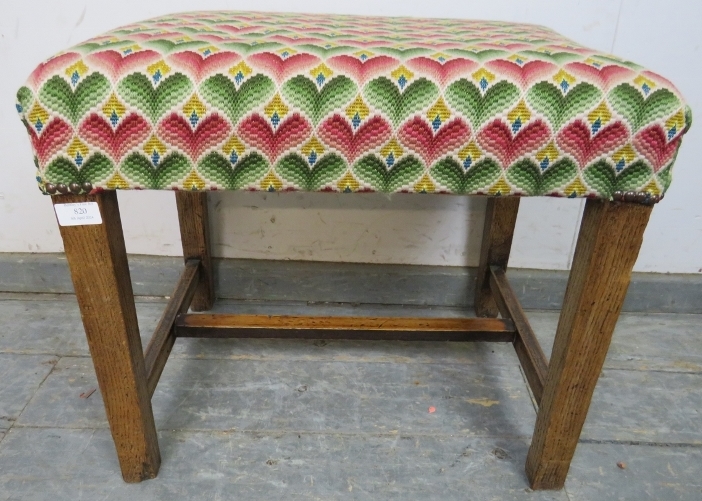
[(243, 419)]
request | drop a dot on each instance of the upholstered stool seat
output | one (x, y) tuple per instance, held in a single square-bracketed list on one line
[(280, 102), (261, 101)]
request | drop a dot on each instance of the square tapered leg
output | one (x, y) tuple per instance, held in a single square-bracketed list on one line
[(608, 245), (98, 262)]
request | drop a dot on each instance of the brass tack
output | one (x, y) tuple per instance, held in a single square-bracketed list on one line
[(629, 196), (618, 196), (74, 187), (50, 188), (62, 188), (87, 187)]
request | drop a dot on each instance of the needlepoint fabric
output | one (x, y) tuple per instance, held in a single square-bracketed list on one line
[(267, 101)]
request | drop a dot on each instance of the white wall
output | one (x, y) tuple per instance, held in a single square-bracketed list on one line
[(664, 35)]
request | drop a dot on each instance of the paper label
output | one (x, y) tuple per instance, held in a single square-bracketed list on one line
[(78, 214)]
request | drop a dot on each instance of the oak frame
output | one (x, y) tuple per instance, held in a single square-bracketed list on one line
[(608, 244)]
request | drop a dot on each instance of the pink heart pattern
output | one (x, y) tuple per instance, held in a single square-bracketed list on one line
[(653, 144), (362, 71), (290, 133), (115, 64), (577, 140), (497, 138), (418, 135), (337, 132), (130, 132), (54, 137), (281, 68), (192, 63), (442, 73), (209, 132)]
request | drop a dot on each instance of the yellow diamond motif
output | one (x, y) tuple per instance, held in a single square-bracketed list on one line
[(321, 72), (626, 155), (77, 150), (392, 148), (233, 144), (519, 115), (276, 108), (271, 182), (438, 113), (286, 52), (483, 77), (652, 188), (644, 83), (76, 71), (425, 185), (114, 109), (357, 111), (547, 155), (313, 145), (500, 187), (516, 58), (576, 188), (240, 71), (348, 183), (676, 122), (130, 49), (470, 151), (601, 114), (193, 182), (363, 54), (441, 57), (194, 108), (117, 182), (38, 116), (564, 79), (158, 70), (208, 50), (154, 145), (402, 75)]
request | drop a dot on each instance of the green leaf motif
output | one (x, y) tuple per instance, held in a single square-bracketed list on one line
[(247, 170), (384, 95), (633, 177), (295, 169), (466, 97), (480, 175), (221, 92), (94, 169), (557, 175), (24, 99), (62, 171), (526, 176), (372, 170), (639, 111), (548, 99), (601, 177), (57, 95), (665, 176), (137, 90), (302, 92), (140, 170)]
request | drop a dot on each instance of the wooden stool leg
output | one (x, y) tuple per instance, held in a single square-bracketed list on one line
[(195, 237), (608, 244), (98, 262), (500, 218)]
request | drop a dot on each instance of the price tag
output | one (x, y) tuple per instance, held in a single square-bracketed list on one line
[(78, 214)]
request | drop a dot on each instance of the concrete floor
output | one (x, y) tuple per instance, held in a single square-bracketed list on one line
[(250, 419)]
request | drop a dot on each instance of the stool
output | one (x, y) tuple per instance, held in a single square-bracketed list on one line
[(282, 102)]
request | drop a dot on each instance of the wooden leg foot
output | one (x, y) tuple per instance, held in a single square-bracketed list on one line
[(608, 245), (98, 262)]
